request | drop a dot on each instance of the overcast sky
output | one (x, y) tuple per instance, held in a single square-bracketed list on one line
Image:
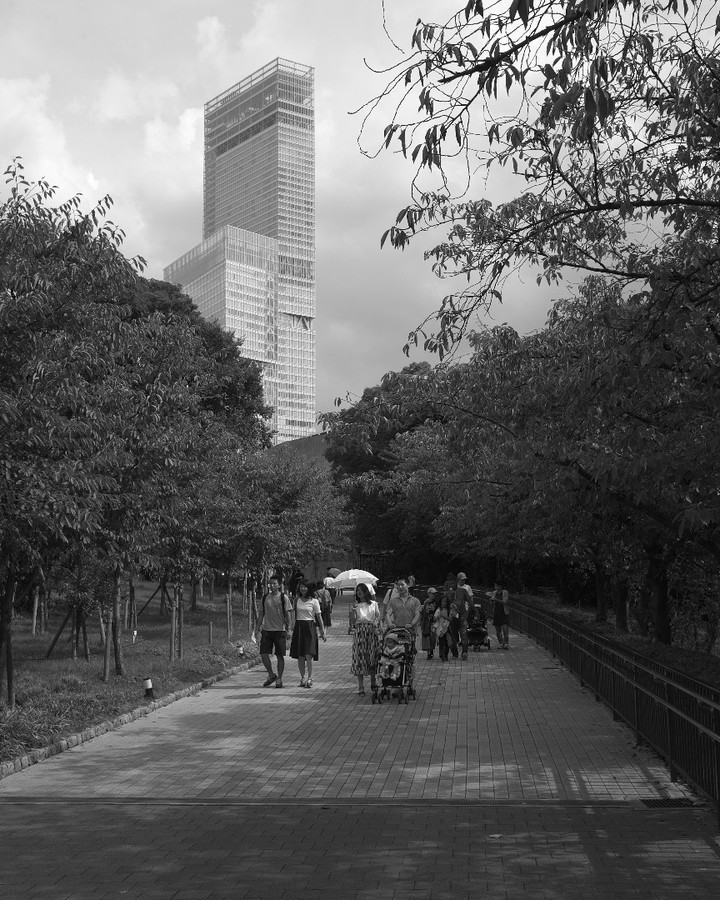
[(107, 97)]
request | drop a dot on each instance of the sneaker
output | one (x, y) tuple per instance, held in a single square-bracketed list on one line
[(464, 656), (308, 683), (506, 647), (303, 681), (279, 684), (269, 680)]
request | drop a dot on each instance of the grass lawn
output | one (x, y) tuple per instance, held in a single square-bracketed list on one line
[(60, 696)]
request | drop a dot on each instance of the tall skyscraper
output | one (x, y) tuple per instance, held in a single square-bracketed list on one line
[(254, 271)]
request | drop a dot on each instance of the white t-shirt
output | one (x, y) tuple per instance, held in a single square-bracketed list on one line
[(367, 612), (306, 610)]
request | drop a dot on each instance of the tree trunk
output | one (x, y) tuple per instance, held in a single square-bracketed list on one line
[(193, 594), (6, 637), (561, 583), (181, 621), (659, 597), (229, 610), (164, 596), (117, 623), (642, 608), (173, 629), (212, 587), (74, 630), (601, 592), (59, 632), (83, 625), (36, 605), (711, 633), (132, 604), (621, 591), (106, 655)]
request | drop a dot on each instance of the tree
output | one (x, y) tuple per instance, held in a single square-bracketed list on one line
[(610, 121), (364, 454), (111, 389), (564, 447), (60, 275)]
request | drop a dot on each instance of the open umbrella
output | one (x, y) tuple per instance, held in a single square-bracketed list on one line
[(334, 571), (351, 578)]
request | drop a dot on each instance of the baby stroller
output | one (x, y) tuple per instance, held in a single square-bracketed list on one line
[(477, 630), (395, 666)]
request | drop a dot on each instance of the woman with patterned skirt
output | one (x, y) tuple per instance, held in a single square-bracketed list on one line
[(366, 636)]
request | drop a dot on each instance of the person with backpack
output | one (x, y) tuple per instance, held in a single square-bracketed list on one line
[(274, 628)]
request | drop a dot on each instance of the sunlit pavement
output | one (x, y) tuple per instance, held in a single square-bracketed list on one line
[(504, 778)]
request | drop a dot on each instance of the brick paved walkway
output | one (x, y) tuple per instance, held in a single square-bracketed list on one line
[(504, 778)]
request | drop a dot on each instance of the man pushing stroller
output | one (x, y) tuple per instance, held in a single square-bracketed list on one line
[(402, 610)]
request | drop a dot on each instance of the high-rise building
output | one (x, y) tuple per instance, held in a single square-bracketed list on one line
[(254, 271)]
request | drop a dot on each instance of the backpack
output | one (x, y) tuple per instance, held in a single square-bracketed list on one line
[(283, 598)]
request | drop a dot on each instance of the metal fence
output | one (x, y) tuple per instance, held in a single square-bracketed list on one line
[(676, 715)]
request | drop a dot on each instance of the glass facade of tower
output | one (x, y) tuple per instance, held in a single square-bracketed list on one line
[(255, 270)]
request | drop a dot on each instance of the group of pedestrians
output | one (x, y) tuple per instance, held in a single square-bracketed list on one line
[(304, 614), (300, 616), (447, 618)]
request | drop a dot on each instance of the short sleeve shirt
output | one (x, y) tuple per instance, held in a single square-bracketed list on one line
[(306, 610), (403, 612), (464, 600), (273, 618)]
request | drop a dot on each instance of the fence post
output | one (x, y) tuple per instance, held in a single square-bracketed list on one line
[(636, 694), (669, 722), (613, 697), (716, 732)]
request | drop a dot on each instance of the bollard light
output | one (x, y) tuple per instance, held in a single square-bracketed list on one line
[(147, 684)]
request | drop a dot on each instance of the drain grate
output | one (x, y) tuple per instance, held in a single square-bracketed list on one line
[(661, 803)]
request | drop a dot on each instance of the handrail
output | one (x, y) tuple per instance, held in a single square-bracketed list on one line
[(698, 685), (677, 715)]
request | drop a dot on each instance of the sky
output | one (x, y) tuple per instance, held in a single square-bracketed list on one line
[(107, 98)]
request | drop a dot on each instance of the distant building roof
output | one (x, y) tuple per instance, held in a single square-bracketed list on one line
[(311, 447)]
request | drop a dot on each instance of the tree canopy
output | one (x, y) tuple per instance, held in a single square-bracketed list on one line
[(609, 115), (132, 430)]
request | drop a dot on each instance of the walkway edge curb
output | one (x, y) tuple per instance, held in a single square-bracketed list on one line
[(74, 740)]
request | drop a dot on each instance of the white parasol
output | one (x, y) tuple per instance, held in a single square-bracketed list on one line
[(351, 578)]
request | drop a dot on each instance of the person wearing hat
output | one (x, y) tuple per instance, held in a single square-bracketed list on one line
[(464, 610), (427, 617)]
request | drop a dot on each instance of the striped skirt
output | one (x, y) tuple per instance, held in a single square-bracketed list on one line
[(365, 649)]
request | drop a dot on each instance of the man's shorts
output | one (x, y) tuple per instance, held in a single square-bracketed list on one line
[(273, 640)]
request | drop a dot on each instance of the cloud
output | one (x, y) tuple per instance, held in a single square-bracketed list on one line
[(28, 130), (121, 98), (210, 36)]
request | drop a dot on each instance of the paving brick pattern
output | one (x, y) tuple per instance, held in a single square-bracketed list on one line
[(504, 778)]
